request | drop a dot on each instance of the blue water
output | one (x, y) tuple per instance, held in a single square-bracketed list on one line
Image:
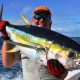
[(14, 73)]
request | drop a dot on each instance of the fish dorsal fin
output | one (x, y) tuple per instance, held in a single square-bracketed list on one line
[(25, 20)]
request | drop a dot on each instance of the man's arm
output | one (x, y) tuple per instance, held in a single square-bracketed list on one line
[(8, 59)]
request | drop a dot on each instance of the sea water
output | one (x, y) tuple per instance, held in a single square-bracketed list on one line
[(15, 72)]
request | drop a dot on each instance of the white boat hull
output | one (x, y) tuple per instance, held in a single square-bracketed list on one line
[(73, 75)]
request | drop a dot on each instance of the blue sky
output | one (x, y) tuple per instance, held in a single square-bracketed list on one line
[(65, 13)]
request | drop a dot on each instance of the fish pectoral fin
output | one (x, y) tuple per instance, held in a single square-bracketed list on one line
[(14, 50)]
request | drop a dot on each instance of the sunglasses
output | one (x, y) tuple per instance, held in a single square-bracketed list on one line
[(45, 17)]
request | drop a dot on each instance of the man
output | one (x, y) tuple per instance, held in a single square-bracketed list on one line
[(32, 70)]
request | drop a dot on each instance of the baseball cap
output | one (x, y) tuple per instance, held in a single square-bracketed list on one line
[(42, 10)]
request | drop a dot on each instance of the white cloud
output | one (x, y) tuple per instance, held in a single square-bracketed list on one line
[(16, 21), (57, 29), (25, 10)]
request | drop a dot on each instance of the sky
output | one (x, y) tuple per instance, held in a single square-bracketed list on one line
[(65, 13)]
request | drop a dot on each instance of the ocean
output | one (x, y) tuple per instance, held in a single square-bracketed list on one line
[(15, 72)]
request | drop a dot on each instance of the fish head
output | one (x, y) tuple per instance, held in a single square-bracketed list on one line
[(67, 57), (71, 61)]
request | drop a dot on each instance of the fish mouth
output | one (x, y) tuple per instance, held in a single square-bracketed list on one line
[(72, 64), (77, 60)]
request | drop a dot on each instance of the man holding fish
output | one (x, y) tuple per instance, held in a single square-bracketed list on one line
[(32, 70)]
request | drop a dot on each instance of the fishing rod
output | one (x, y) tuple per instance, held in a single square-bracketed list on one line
[(1, 12)]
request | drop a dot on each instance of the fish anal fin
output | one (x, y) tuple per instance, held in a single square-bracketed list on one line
[(14, 50)]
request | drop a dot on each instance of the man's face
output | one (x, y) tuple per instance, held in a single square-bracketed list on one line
[(41, 20)]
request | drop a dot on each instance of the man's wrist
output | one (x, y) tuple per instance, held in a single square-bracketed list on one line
[(5, 38)]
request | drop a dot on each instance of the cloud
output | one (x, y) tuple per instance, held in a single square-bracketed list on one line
[(67, 30), (25, 10), (16, 21)]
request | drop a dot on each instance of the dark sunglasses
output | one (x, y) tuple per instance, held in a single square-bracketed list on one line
[(45, 17)]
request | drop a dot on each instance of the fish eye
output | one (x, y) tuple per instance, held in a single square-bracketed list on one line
[(72, 54)]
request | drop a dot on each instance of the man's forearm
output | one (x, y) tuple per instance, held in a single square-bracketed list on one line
[(7, 59)]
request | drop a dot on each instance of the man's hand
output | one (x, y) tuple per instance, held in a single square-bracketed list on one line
[(55, 67), (2, 29)]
